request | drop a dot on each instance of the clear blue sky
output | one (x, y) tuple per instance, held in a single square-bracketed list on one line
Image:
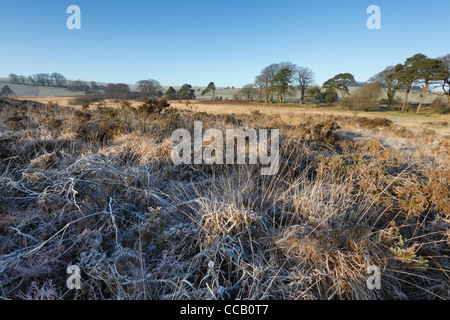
[(228, 42)]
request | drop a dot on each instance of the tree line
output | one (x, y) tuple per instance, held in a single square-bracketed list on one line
[(145, 88), (40, 79), (153, 89), (427, 73), (57, 80), (148, 89), (277, 81)]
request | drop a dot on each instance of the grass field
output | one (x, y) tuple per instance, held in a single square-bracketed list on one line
[(97, 188), (291, 113)]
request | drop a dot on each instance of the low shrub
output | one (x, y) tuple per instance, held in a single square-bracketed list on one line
[(373, 123), (152, 106), (85, 100)]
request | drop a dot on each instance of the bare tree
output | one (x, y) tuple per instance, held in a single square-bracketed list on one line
[(261, 85), (249, 92), (77, 85), (14, 78), (32, 80), (267, 82), (262, 81), (150, 88), (60, 80), (266, 78), (42, 79), (22, 79), (305, 78), (117, 91)]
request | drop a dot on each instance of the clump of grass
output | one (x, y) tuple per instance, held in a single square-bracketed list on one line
[(438, 124), (322, 132), (439, 107), (374, 122), (256, 113), (152, 106), (86, 100), (54, 124)]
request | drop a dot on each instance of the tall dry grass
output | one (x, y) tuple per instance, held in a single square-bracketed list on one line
[(96, 188)]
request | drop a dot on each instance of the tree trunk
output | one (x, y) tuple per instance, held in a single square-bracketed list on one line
[(342, 93), (391, 97), (406, 100), (390, 101), (303, 90), (424, 92), (448, 101)]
